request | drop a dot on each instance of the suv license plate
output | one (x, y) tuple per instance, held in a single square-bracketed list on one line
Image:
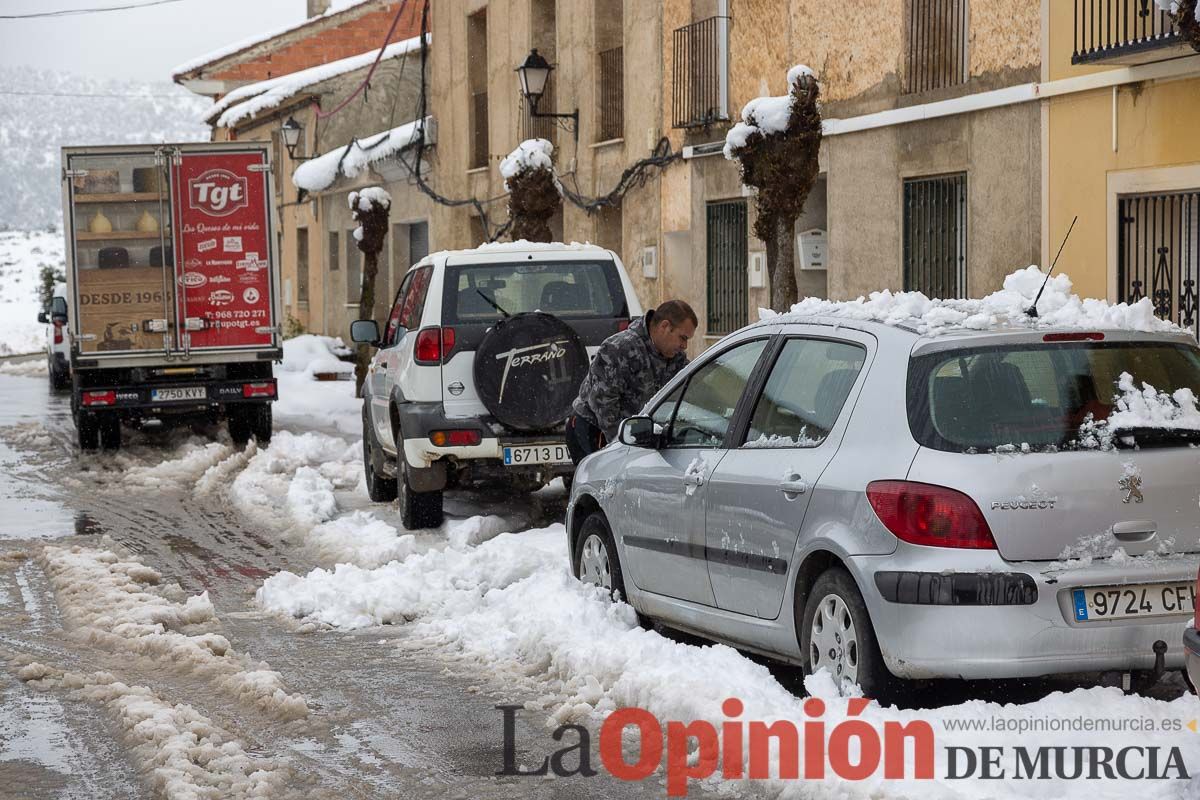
[(536, 454), (178, 393), (1141, 600)]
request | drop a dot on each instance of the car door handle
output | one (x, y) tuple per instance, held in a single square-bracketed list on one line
[(693, 479), (793, 484), (1138, 530)]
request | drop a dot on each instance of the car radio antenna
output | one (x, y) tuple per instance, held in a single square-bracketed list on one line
[(1032, 311)]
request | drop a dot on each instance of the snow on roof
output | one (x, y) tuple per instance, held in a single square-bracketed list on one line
[(335, 7), (1005, 309), (235, 106), (352, 160)]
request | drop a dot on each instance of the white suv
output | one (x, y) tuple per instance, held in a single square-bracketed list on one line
[(58, 348), (483, 352)]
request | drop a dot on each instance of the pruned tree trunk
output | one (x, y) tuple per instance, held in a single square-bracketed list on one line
[(370, 208), (366, 310), (783, 271)]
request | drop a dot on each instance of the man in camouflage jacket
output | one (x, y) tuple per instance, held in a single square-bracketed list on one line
[(628, 369)]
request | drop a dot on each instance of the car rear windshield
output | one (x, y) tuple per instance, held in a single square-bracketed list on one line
[(483, 293), (1042, 397)]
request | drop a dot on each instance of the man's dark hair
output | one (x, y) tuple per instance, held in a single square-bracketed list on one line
[(676, 312)]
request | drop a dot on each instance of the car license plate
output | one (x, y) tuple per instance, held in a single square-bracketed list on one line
[(536, 454), (170, 393), (1141, 600)]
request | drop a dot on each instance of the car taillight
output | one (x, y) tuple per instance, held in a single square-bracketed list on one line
[(433, 345), (258, 390), (623, 324), (58, 326), (459, 438), (1196, 605), (105, 398), (924, 514)]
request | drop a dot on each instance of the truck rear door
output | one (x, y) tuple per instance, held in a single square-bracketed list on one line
[(118, 213), (223, 235)]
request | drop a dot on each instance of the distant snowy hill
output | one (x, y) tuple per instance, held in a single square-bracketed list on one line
[(41, 111)]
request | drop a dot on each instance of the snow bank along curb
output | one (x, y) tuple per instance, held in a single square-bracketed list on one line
[(1007, 308), (120, 604), (182, 752), (510, 608)]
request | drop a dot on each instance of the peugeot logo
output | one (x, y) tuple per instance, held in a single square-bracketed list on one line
[(1132, 486)]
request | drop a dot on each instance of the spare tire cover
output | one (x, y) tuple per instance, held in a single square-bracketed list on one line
[(528, 370)]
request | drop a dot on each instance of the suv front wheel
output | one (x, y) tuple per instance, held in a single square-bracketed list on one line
[(380, 488)]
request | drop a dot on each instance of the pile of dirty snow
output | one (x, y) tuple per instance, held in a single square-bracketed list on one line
[(1007, 308), (510, 608), (22, 256), (119, 603), (308, 404)]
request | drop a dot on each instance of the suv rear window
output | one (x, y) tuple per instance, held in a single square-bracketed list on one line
[(476, 293), (1037, 396)]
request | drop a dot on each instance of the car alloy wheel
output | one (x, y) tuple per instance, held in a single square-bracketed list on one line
[(594, 566), (833, 643)]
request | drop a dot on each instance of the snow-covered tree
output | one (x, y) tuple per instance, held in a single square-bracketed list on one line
[(1186, 14), (534, 193), (370, 208), (777, 144)]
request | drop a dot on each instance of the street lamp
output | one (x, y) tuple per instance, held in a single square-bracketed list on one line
[(292, 131), (533, 74)]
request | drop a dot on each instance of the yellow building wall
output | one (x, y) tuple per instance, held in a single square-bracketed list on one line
[(1155, 124)]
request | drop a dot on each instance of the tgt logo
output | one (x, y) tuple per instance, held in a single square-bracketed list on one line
[(218, 192)]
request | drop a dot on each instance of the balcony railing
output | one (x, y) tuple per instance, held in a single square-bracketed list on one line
[(479, 130), (1122, 31), (700, 53), (612, 94)]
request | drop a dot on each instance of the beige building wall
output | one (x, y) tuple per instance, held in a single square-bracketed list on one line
[(570, 34)]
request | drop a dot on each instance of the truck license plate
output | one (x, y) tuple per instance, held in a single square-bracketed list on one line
[(536, 454), (1141, 600), (170, 393)]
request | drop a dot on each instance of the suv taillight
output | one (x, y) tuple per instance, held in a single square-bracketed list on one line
[(433, 346), (58, 326), (924, 514), (1196, 605)]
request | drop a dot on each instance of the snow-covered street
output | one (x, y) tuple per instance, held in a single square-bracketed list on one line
[(186, 618)]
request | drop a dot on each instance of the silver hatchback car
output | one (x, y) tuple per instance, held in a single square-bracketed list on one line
[(860, 497)]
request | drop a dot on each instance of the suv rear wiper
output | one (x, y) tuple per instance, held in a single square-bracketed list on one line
[(1148, 436), (492, 303)]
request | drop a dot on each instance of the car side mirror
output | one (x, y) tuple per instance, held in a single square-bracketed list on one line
[(365, 331), (638, 432), (42, 318)]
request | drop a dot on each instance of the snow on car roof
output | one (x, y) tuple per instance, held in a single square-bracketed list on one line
[(522, 246), (1004, 310)]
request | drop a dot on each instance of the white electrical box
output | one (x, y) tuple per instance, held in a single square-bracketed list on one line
[(813, 246), (758, 270), (650, 262)]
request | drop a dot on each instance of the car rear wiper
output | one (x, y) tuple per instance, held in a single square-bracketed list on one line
[(492, 303), (1148, 436)]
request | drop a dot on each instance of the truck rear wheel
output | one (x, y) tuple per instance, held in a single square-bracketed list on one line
[(110, 431), (88, 428), (261, 423), (238, 422)]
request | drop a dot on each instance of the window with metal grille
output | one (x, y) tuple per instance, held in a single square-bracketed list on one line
[(935, 235), (612, 94), (937, 44), (302, 265), (1106, 28), (477, 83), (728, 302), (353, 269), (700, 54), (1158, 253)]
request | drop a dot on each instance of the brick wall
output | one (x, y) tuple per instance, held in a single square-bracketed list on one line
[(309, 48)]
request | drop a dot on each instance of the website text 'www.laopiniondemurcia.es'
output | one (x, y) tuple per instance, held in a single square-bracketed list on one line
[(853, 749)]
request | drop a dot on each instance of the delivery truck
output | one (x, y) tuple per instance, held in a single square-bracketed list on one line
[(172, 288)]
